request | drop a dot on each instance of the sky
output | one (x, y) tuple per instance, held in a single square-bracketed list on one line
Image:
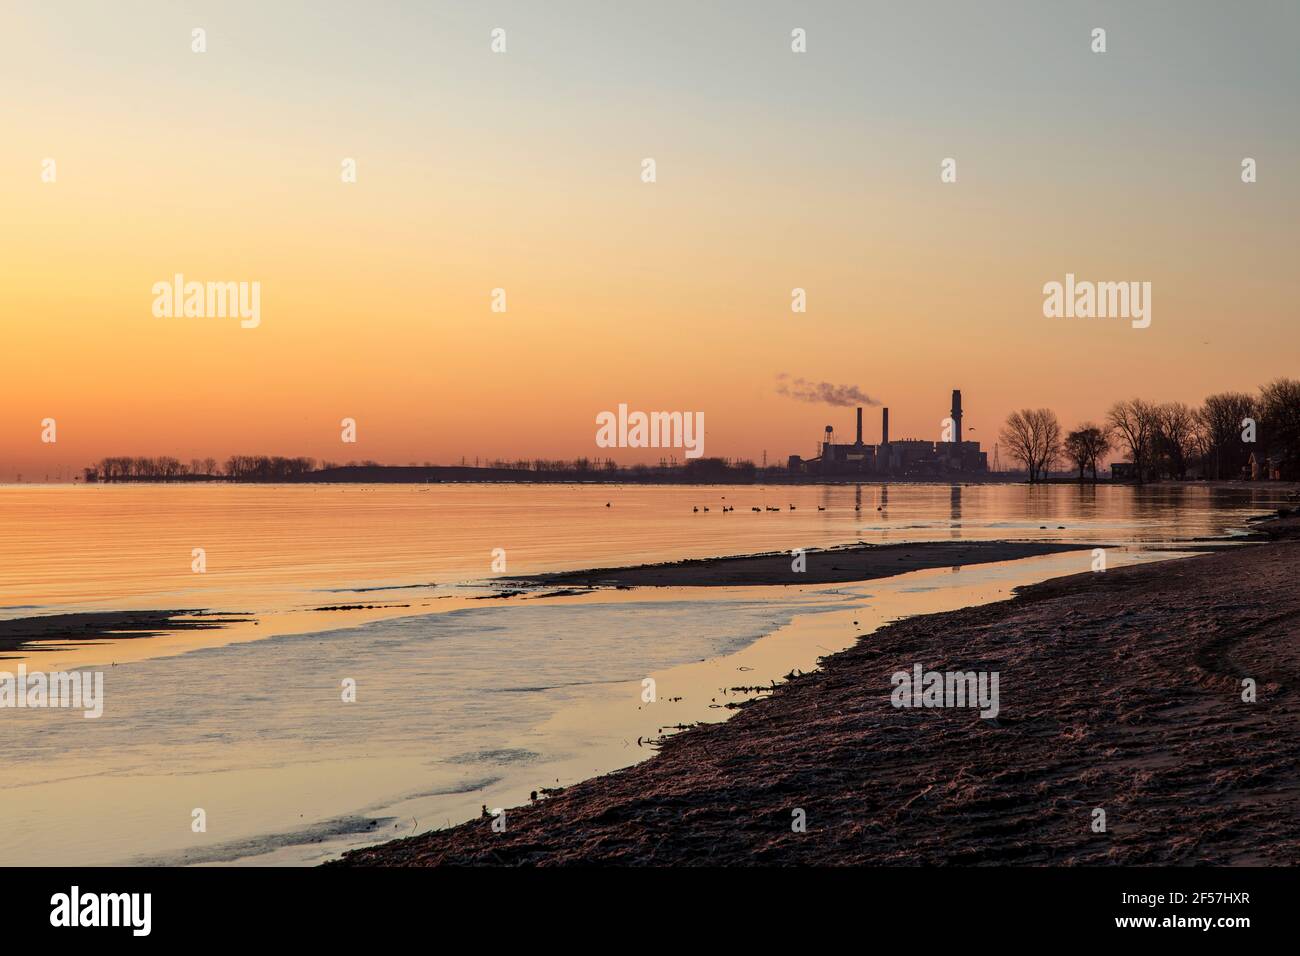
[(522, 171)]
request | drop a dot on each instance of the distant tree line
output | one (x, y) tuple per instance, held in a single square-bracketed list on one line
[(553, 465), (275, 468), (166, 468), (1171, 440), (264, 468), (161, 468), (691, 466)]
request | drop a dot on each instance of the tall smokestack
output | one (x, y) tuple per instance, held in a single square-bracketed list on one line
[(956, 414), (884, 426), (859, 424)]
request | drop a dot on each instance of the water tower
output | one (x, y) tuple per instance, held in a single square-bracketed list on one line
[(828, 439)]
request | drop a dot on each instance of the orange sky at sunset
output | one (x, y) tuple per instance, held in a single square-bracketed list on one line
[(522, 172)]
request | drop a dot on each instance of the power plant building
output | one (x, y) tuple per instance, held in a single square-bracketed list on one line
[(906, 457)]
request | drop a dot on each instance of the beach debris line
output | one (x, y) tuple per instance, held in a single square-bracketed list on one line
[(359, 607)]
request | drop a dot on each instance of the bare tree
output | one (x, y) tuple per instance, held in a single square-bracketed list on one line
[(1133, 424), (1018, 438), (1223, 418), (1279, 423), (1085, 445), (1049, 448), (1033, 437), (1176, 437)]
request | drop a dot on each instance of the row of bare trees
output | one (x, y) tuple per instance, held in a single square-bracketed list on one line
[(554, 465), (166, 468), (275, 468), (267, 468), (113, 469), (1169, 440)]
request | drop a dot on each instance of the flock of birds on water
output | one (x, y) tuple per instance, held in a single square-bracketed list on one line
[(726, 508)]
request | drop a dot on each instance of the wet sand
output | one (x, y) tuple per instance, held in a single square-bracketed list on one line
[(87, 638), (1120, 691), (862, 562), (56, 631)]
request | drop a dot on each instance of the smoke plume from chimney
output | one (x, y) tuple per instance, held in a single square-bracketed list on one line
[(822, 393)]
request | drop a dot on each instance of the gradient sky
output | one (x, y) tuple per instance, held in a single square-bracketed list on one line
[(521, 171)]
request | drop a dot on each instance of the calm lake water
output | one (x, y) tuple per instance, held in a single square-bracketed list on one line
[(462, 699)]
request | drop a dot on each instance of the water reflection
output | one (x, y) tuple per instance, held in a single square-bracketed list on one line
[(276, 547)]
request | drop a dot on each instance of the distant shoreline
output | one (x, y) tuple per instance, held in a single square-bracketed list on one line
[(393, 474), (647, 475)]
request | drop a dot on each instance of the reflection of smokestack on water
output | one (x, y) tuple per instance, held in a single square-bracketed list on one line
[(956, 414), (884, 426), (859, 425)]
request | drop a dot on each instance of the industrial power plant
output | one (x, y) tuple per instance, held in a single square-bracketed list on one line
[(907, 457)]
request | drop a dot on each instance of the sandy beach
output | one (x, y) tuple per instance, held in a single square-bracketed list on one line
[(829, 566), (1121, 691)]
